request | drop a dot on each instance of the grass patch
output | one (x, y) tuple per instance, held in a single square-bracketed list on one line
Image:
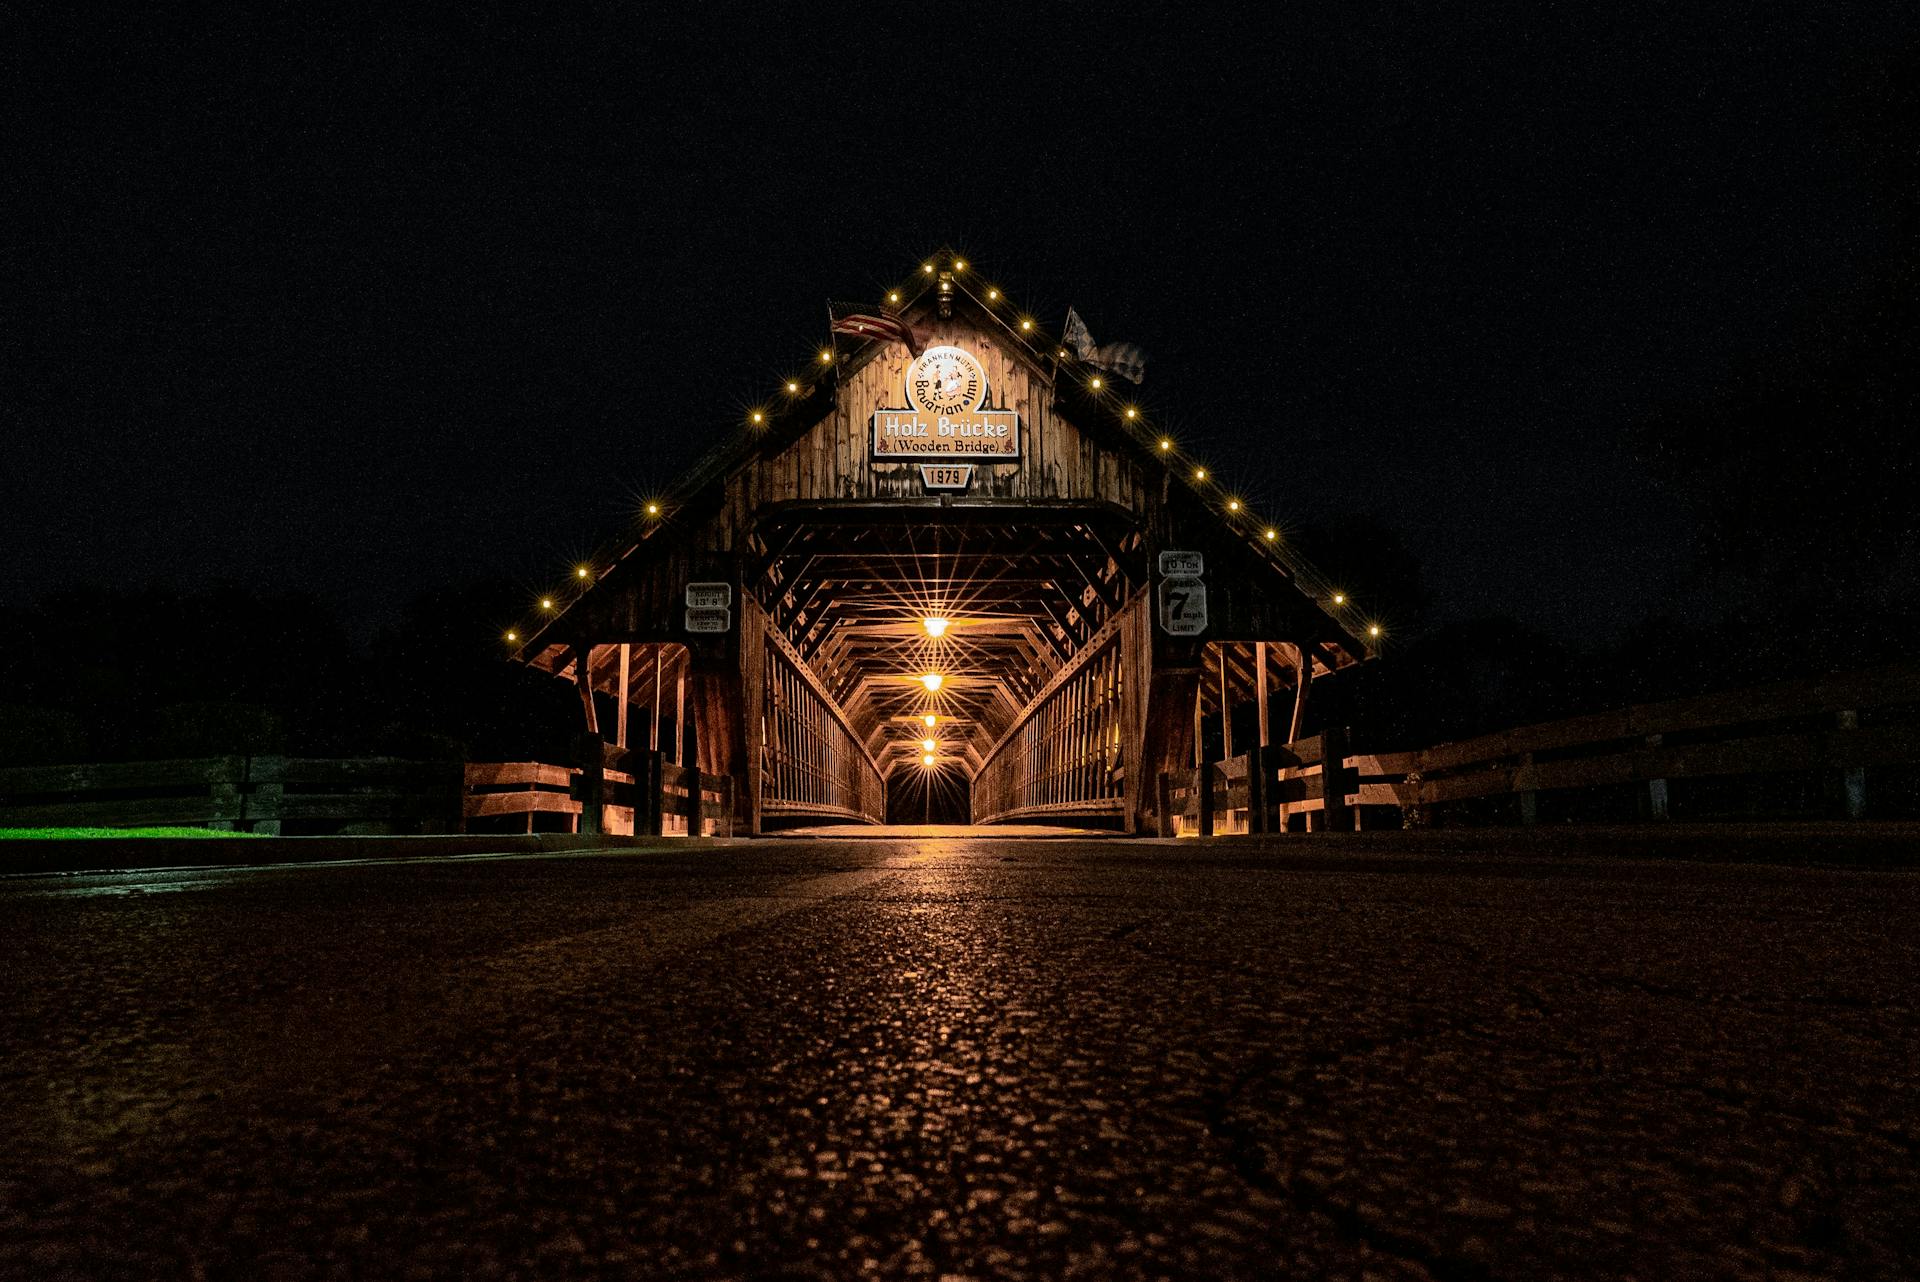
[(67, 834)]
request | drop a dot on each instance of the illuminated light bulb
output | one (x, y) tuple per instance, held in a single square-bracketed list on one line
[(932, 681), (513, 636), (1026, 325), (936, 628), (758, 416), (826, 358), (1063, 353), (1373, 630), (993, 296), (959, 264), (792, 386), (1199, 473), (1272, 535), (1094, 382), (931, 720), (927, 268), (546, 603), (1233, 505), (893, 296), (1165, 445), (1339, 598), (927, 745), (653, 509), (580, 572), (1132, 412), (926, 759)]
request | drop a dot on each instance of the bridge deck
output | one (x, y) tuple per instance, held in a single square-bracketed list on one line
[(977, 1057)]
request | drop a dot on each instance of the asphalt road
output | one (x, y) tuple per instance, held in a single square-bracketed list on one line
[(964, 1059)]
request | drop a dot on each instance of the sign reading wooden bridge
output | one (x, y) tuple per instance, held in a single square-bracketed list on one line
[(970, 565)]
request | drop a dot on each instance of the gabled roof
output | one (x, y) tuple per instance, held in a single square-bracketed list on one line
[(1094, 402)]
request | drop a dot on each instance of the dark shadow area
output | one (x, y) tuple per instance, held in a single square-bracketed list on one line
[(919, 795)]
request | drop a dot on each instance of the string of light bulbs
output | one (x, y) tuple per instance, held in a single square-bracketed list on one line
[(1267, 541)]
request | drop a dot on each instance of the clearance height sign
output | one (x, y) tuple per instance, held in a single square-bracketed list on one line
[(943, 418)]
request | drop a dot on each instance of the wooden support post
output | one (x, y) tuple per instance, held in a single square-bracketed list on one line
[(626, 691), (1163, 806), (1334, 780), (1170, 683), (1853, 779), (746, 792)]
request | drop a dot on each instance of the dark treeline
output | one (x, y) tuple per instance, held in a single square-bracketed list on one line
[(105, 676)]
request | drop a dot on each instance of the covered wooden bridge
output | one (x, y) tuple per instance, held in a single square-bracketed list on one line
[(954, 560)]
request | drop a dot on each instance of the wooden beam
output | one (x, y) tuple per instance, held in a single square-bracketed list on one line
[(653, 735), (626, 692), (1303, 679), (1226, 707), (583, 681), (1260, 688)]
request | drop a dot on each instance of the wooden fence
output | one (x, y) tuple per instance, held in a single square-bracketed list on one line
[(269, 795), (650, 797), (1814, 739), (1818, 737)]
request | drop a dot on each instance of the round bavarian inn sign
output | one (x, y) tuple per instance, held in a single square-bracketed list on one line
[(946, 388), (942, 380)]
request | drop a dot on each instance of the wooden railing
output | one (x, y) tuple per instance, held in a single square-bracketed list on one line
[(651, 797), (1262, 790), (1815, 740), (1819, 735), (813, 762), (263, 794), (1064, 756)]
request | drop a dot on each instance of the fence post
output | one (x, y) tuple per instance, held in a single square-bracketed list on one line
[(593, 784), (646, 801), (1853, 779), (1334, 777), (1256, 788), (696, 806), (1163, 806), (1204, 788), (1656, 788), (1529, 797), (260, 802)]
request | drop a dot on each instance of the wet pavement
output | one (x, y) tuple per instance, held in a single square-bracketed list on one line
[(965, 1058)]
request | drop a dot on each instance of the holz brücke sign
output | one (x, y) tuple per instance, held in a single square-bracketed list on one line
[(946, 387)]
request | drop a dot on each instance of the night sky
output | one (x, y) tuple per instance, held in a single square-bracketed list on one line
[(367, 310)]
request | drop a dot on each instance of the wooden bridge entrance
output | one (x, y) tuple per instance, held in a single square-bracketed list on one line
[(958, 547)]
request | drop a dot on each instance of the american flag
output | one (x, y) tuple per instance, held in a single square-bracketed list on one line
[(859, 321)]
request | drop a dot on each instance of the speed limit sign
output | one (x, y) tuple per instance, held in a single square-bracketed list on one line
[(1183, 606)]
